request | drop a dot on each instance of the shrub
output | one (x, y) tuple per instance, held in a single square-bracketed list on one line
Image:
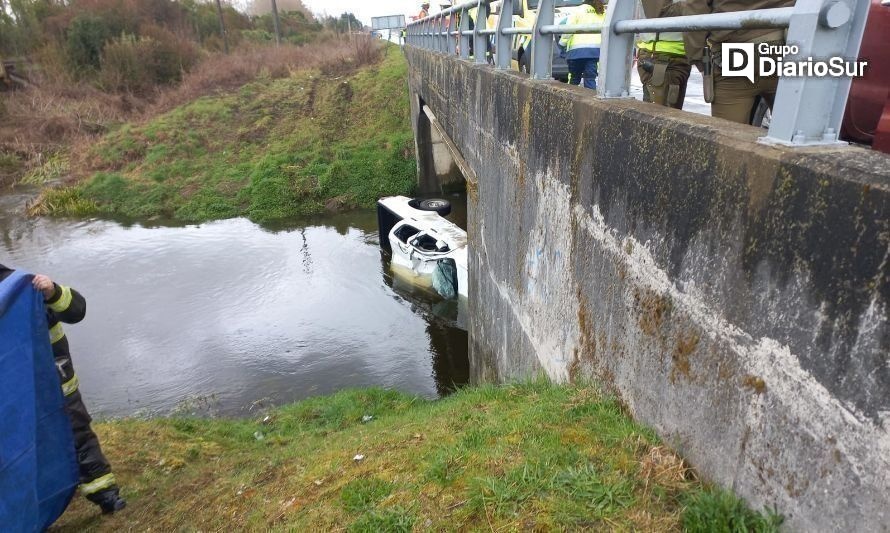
[(170, 55), (86, 40), (125, 65), (138, 64)]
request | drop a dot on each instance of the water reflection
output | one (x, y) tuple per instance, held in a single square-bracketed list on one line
[(228, 315)]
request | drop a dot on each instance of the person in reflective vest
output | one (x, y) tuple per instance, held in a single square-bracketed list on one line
[(582, 50), (661, 58), (65, 305)]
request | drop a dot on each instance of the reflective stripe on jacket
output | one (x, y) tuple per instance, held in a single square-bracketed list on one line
[(669, 42), (676, 48), (583, 45)]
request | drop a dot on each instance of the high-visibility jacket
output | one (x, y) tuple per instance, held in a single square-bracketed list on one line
[(669, 42), (67, 306), (583, 45)]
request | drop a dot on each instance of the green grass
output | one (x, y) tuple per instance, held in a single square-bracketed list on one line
[(524, 456), (720, 511), (274, 149)]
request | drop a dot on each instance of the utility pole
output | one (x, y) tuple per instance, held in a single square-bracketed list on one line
[(277, 23), (222, 26)]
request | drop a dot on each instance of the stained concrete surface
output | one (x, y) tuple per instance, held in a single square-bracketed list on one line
[(734, 295)]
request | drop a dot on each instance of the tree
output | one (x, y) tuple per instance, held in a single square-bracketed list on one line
[(344, 23), (263, 7)]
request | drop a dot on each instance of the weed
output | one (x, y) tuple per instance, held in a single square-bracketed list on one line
[(395, 520), (54, 168), (364, 493), (720, 511), (444, 467)]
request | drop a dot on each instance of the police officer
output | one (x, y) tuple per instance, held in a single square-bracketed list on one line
[(583, 49), (661, 58), (64, 304), (733, 98)]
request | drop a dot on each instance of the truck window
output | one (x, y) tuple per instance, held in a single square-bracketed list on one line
[(406, 232)]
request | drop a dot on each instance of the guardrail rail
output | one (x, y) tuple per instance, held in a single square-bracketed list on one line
[(807, 110)]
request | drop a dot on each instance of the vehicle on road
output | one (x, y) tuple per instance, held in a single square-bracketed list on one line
[(424, 244)]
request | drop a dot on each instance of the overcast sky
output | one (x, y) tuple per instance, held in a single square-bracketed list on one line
[(366, 9)]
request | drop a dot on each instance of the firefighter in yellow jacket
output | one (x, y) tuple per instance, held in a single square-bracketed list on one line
[(65, 305), (661, 58)]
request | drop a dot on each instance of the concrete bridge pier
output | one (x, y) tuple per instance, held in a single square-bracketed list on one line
[(437, 170), (735, 296)]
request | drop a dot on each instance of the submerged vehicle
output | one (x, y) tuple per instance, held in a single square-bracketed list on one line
[(423, 243)]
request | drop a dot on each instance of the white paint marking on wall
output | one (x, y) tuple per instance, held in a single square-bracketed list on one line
[(794, 388)]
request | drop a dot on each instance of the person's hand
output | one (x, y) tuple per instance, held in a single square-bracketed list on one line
[(45, 285)]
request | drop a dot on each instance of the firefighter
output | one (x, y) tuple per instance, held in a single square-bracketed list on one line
[(582, 50), (97, 482), (661, 58), (730, 97)]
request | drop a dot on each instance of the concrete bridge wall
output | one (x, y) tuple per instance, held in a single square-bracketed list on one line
[(735, 296)]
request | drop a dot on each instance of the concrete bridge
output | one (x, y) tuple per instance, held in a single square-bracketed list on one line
[(735, 296)]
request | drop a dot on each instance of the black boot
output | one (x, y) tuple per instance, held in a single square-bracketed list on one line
[(109, 500)]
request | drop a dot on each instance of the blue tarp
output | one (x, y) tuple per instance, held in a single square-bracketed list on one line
[(38, 468)]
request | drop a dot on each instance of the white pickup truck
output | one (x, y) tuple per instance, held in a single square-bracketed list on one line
[(424, 244)]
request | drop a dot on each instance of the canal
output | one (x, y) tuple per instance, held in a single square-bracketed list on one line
[(229, 317)]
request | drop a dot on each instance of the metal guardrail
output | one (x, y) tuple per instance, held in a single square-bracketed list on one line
[(807, 110)]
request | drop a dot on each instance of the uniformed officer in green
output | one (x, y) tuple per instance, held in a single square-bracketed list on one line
[(661, 58), (733, 98)]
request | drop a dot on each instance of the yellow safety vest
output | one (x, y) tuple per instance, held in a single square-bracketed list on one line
[(664, 46), (583, 40)]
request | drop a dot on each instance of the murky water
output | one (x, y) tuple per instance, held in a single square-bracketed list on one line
[(228, 317)]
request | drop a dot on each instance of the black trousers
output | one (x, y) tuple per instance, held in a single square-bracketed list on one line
[(90, 458)]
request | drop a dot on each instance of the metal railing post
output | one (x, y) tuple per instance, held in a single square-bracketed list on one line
[(480, 41), (810, 109), (542, 45), (503, 51), (450, 44), (464, 25), (431, 38), (616, 52)]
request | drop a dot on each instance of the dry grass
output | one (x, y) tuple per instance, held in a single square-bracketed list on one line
[(222, 73), (661, 466), (61, 114)]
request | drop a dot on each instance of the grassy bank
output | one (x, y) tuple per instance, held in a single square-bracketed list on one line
[(286, 144), (520, 457)]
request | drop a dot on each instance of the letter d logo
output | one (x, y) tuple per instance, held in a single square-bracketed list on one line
[(737, 60)]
